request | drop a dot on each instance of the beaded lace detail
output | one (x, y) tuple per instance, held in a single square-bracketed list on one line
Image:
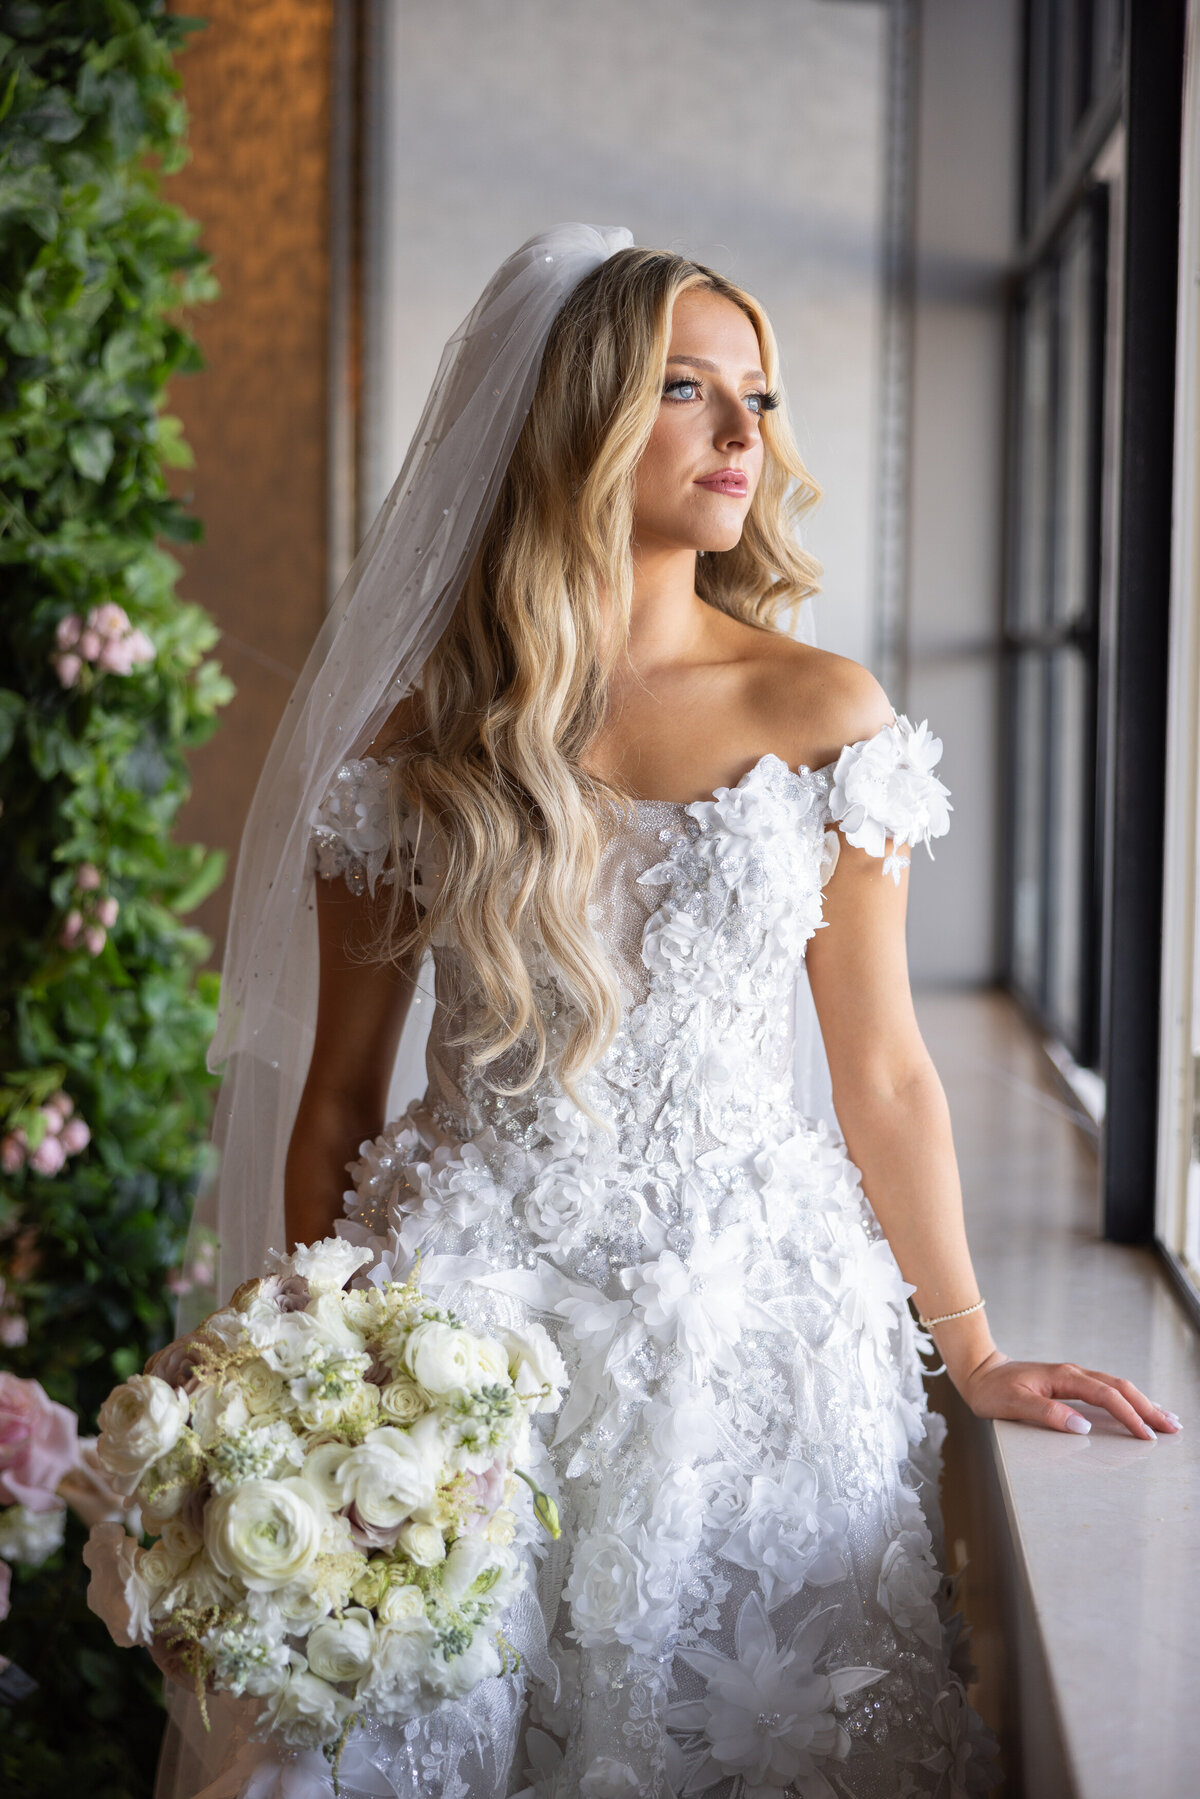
[(749, 1596)]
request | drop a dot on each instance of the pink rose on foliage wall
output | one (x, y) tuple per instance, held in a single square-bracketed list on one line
[(38, 1444)]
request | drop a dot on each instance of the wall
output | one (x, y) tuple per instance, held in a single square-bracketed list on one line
[(748, 138), (256, 82), (966, 205)]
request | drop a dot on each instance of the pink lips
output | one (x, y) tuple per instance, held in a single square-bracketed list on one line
[(726, 480)]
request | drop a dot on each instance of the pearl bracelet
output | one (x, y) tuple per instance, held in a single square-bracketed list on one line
[(947, 1316)]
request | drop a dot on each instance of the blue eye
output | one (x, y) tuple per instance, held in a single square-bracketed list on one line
[(766, 401)]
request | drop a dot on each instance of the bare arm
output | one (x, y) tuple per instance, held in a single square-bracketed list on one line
[(893, 1112), (361, 1009)]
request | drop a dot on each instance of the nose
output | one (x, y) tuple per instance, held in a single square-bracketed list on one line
[(735, 426)]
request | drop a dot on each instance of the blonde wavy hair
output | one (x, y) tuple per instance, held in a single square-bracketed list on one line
[(516, 688)]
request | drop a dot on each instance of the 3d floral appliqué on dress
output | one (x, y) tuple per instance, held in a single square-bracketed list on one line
[(749, 1597)]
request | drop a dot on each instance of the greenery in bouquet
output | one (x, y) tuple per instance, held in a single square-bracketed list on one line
[(335, 1480), (104, 685)]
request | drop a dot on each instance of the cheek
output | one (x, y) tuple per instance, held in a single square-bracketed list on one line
[(665, 457)]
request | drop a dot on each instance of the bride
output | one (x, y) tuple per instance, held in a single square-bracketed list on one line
[(558, 737)]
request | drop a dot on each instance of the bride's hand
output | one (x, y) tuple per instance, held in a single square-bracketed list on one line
[(1035, 1392)]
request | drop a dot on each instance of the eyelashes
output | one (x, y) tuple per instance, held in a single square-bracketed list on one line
[(767, 401)]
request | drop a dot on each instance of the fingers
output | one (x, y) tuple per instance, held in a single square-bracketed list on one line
[(1155, 1415), (1070, 1382)]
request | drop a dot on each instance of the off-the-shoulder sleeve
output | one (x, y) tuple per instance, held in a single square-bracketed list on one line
[(884, 787), (351, 835)]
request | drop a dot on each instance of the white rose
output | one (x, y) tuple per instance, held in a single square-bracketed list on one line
[(180, 1541), (30, 1537), (403, 1654), (534, 1363), (218, 1411), (329, 1264), (308, 1712), (265, 1532), (439, 1357), (453, 1676), (400, 1602), (140, 1421), (423, 1544), (608, 1778), (619, 1593), (401, 1401), (116, 1592), (340, 1649), (908, 1580), (393, 1473)]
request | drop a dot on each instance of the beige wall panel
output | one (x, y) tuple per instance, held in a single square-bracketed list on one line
[(257, 84)]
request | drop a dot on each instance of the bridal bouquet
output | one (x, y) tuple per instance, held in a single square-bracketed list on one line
[(333, 1478)]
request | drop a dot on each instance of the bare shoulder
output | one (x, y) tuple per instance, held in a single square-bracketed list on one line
[(405, 724), (817, 702)]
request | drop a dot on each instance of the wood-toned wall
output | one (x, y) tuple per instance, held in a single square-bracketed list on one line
[(257, 81)]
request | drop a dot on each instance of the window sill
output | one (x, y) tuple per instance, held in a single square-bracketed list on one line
[(1102, 1560)]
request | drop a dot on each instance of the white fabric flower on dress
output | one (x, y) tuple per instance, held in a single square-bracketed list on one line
[(790, 1533), (884, 786), (679, 949), (908, 1580), (608, 1778), (768, 1714), (867, 1292), (701, 1303), (622, 1589), (758, 824), (965, 1756), (567, 1203), (352, 821)]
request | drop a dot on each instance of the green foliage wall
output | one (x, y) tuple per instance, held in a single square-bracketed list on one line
[(103, 685)]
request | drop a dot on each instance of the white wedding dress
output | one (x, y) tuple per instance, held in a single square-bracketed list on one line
[(749, 1596)]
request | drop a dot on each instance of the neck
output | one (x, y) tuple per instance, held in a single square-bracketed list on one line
[(667, 615)]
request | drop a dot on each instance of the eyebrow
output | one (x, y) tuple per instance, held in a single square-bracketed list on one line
[(701, 362)]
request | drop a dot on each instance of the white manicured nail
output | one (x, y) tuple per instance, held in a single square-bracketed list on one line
[(1079, 1425)]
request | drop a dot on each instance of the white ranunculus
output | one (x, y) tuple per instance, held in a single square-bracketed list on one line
[(322, 1466), (116, 1592), (180, 1540), (908, 1580), (265, 1532), (218, 1411), (450, 1677), (329, 1264), (140, 1422), (30, 1537), (439, 1357), (263, 1389), (423, 1544), (403, 1654), (491, 1362), (620, 1592), (307, 1712), (466, 1559), (340, 1649), (608, 1778), (287, 1340), (392, 1473), (534, 1363)]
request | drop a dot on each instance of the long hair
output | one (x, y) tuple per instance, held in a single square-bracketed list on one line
[(515, 690)]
